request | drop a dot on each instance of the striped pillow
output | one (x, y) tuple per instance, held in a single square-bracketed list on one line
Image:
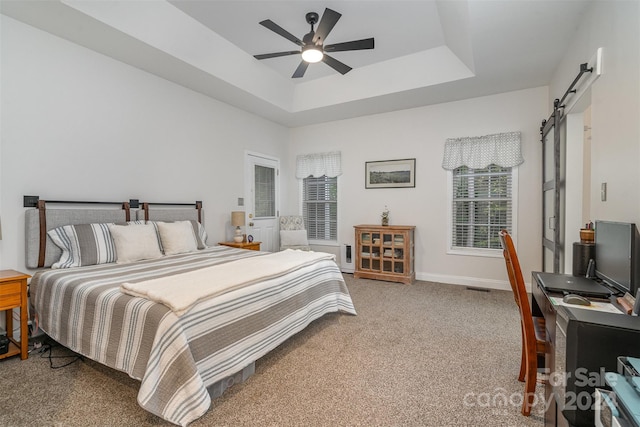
[(83, 244), (201, 234)]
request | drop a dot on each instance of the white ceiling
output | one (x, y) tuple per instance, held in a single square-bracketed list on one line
[(426, 51), (237, 21)]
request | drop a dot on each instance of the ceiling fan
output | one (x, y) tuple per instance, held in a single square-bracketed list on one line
[(312, 44)]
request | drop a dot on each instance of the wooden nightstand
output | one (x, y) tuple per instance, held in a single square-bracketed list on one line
[(13, 294), (253, 246)]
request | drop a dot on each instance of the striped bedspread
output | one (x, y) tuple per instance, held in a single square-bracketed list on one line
[(180, 293), (177, 357)]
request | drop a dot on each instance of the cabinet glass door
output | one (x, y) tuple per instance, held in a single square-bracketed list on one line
[(365, 254), (398, 253)]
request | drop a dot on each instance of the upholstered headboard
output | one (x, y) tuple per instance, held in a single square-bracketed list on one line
[(37, 256), (42, 252), (151, 213)]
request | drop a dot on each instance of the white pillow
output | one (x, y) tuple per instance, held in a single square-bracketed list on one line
[(293, 238), (135, 242), (177, 237)]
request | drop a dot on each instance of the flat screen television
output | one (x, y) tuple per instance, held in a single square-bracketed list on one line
[(618, 255)]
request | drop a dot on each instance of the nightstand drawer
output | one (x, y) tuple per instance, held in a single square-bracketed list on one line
[(10, 295)]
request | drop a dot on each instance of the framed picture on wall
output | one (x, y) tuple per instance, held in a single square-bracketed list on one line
[(390, 173)]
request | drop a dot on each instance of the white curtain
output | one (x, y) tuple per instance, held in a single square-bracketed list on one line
[(319, 164), (502, 149)]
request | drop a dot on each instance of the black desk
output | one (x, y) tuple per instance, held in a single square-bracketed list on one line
[(581, 345)]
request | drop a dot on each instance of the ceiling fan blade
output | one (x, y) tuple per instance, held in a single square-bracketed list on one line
[(352, 45), (336, 65), (327, 22), (300, 70), (268, 23), (276, 54)]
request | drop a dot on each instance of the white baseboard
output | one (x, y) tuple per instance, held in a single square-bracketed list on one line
[(474, 282)]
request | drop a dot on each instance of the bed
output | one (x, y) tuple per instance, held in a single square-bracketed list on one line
[(180, 354)]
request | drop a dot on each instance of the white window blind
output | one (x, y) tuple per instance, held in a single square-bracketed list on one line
[(482, 205), (320, 207), (318, 173), (482, 175)]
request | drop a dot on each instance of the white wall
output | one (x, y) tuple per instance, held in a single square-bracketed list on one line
[(420, 133), (78, 125), (63, 106), (615, 105)]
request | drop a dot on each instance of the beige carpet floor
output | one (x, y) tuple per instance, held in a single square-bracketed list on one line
[(427, 354)]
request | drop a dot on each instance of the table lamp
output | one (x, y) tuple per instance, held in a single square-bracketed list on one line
[(237, 220)]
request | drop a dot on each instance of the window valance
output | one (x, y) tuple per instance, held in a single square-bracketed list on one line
[(319, 164), (502, 149)]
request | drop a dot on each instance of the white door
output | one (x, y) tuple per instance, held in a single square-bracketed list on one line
[(262, 200)]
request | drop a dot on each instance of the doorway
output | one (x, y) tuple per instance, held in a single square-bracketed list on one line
[(578, 177), (566, 168), (262, 199)]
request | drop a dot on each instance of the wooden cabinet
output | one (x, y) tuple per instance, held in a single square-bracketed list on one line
[(252, 246), (13, 294), (385, 253)]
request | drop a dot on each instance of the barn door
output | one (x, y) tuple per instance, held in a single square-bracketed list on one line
[(552, 194)]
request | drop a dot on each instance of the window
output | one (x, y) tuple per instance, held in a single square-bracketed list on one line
[(482, 205), (320, 207), (265, 191)]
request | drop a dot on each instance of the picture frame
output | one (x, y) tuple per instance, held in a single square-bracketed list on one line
[(399, 173)]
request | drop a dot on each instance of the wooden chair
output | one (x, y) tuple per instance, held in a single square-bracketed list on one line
[(532, 328)]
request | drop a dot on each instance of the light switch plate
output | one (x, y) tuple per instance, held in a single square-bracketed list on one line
[(603, 192)]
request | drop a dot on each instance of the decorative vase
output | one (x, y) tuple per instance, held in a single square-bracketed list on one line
[(385, 216), (587, 235)]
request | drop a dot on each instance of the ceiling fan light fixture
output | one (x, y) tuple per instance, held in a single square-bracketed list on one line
[(312, 54), (312, 45)]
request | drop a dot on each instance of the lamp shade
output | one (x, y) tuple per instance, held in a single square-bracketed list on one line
[(237, 218)]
